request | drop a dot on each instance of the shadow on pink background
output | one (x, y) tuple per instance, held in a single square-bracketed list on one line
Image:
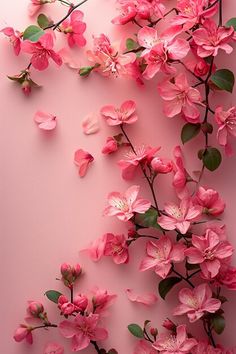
[(48, 213)]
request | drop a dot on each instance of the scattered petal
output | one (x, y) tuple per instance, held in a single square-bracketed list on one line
[(53, 348), (68, 59), (90, 124), (46, 121), (82, 159), (147, 299)]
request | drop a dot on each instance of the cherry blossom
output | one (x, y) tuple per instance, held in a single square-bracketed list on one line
[(144, 347), (210, 200), (74, 28), (23, 332), (116, 247), (36, 5), (196, 302), (123, 115), (15, 38), (226, 121)]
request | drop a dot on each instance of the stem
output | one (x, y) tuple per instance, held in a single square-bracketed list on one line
[(194, 273), (220, 13), (166, 14), (95, 346), (71, 294), (65, 2), (182, 277), (208, 331), (197, 77), (136, 22), (150, 183), (147, 336), (56, 25), (45, 326)]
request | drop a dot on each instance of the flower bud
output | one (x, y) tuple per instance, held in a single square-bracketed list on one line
[(153, 331), (26, 87), (23, 332), (201, 68), (81, 303), (144, 11), (65, 269), (35, 309), (132, 233), (70, 274), (168, 324), (110, 146), (85, 71), (160, 165)]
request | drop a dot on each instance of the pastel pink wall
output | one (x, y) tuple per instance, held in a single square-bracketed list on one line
[(48, 213)]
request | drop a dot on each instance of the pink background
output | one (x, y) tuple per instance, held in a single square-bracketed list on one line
[(48, 213)]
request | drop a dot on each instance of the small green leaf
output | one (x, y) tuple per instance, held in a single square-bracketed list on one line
[(131, 44), (148, 219), (53, 295), (166, 285), (189, 131), (191, 266), (218, 323), (231, 22), (33, 33), (211, 158), (223, 79), (43, 21), (136, 330), (112, 351)]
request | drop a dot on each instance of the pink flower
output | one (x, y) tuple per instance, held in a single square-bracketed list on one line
[(179, 217), (36, 5), (82, 330), (110, 146), (117, 247), (227, 126), (102, 300), (129, 11), (35, 309), (41, 51), (83, 159), (176, 344), (160, 165), (211, 38), (15, 38), (144, 347), (141, 156), (180, 98), (147, 299), (211, 202), (80, 302), (53, 348), (160, 51), (107, 60), (45, 121), (209, 252), (90, 124), (206, 348), (74, 28), (123, 115), (66, 307), (195, 303), (180, 174), (160, 256), (226, 277), (125, 205), (192, 12), (23, 332), (96, 249)]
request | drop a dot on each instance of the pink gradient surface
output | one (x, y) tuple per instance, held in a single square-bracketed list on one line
[(48, 213)]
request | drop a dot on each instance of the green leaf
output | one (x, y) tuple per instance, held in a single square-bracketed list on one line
[(43, 21), (189, 131), (231, 22), (131, 44), (223, 79), (148, 219), (53, 295), (166, 285), (211, 158), (136, 330), (191, 266), (112, 351), (33, 33), (218, 323)]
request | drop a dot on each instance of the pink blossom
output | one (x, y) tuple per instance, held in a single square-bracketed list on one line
[(36, 5), (35, 309), (209, 251), (198, 66), (160, 256), (175, 344), (102, 300), (23, 332), (227, 126), (82, 330), (41, 51), (66, 307), (82, 159), (74, 28), (160, 165), (106, 58), (196, 302), (53, 348), (125, 205), (123, 115), (116, 246), (140, 157), (147, 299), (90, 124), (210, 200), (144, 347), (206, 348), (80, 302), (180, 98), (45, 121), (110, 146), (180, 174), (179, 217), (15, 38), (211, 38), (129, 11), (96, 249), (226, 277), (192, 12)]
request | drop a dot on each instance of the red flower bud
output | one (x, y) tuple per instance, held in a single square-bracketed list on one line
[(168, 324)]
